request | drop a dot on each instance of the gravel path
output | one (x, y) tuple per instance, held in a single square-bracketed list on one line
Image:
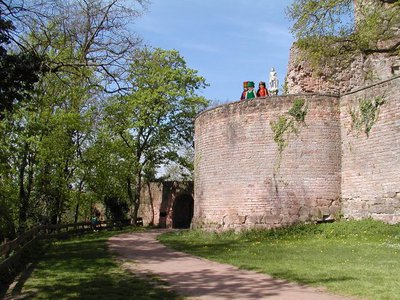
[(200, 278)]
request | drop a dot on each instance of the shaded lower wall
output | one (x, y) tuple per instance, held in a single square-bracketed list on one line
[(371, 163), (240, 179), (167, 204)]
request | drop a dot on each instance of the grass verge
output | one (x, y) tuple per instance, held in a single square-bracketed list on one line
[(359, 258), (82, 268)]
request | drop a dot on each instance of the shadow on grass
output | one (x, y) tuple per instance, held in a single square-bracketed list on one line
[(212, 250), (124, 286), (22, 278), (82, 268), (195, 277), (318, 281)]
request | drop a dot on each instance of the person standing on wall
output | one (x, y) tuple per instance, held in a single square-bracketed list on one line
[(250, 94), (262, 90), (244, 90)]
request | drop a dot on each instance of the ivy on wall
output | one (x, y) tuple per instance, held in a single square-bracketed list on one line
[(285, 127), (289, 124), (365, 114)]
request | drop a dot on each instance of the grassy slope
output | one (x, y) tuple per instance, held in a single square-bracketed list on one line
[(82, 268), (355, 258)]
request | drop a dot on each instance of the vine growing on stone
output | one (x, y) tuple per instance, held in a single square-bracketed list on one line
[(285, 126), (289, 124), (365, 114)]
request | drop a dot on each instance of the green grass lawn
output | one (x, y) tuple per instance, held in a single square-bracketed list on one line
[(360, 258), (82, 268)]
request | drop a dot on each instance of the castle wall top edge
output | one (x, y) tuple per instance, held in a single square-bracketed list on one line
[(371, 85), (307, 95), (269, 98)]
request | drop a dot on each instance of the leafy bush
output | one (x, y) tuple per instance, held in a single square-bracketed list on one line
[(7, 227)]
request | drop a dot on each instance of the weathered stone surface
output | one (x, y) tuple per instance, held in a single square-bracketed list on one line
[(364, 71), (328, 169), (158, 202), (237, 158), (370, 164)]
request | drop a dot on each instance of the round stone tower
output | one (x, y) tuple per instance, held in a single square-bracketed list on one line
[(242, 180)]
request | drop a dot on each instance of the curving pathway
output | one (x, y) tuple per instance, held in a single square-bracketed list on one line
[(200, 278)]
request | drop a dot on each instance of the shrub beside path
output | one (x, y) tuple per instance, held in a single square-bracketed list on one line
[(200, 278)]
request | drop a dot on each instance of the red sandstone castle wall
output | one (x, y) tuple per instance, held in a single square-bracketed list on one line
[(365, 70), (371, 164), (237, 182), (150, 206), (158, 201)]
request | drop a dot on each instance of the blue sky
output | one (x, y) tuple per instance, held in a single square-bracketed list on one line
[(228, 42)]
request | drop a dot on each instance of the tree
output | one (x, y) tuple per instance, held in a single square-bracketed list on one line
[(108, 165), (68, 126), (44, 167), (18, 70), (97, 31), (334, 31), (44, 139), (156, 118), (182, 169)]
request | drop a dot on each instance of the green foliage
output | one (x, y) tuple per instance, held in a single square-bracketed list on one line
[(29, 253), (289, 124), (285, 87), (329, 36), (359, 258), (19, 71), (18, 74), (326, 17), (44, 143), (67, 143), (116, 208), (366, 114), (152, 124), (7, 227), (83, 268), (298, 111), (282, 129)]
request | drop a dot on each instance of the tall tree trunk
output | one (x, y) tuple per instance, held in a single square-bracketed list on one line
[(151, 202), (131, 198), (134, 196), (76, 212), (60, 205), (78, 200), (23, 195), (136, 204), (29, 187)]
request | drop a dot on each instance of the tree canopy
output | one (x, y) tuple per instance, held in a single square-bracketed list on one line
[(88, 114), (18, 70), (335, 30), (156, 119)]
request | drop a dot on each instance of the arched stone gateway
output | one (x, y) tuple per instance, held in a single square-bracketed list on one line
[(182, 211), (162, 201)]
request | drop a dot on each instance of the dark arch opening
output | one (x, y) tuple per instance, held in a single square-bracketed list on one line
[(182, 211)]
